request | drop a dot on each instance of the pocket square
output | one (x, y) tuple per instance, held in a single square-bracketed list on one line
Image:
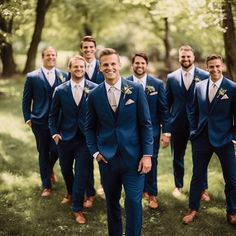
[(225, 97), (130, 101), (153, 93)]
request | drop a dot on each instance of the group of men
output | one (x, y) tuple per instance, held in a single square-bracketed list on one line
[(97, 114)]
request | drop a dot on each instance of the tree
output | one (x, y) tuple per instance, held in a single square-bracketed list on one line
[(41, 10), (229, 39)]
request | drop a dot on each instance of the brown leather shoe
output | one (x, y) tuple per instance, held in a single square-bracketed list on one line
[(46, 192), (190, 216), (205, 196), (79, 217), (89, 201), (66, 199), (54, 179), (146, 196), (153, 204), (231, 219)]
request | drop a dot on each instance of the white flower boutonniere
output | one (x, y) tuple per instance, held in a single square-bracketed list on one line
[(86, 91), (149, 89), (197, 79), (62, 78), (126, 90), (221, 92)]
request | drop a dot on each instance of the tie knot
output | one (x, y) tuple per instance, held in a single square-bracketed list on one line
[(112, 89)]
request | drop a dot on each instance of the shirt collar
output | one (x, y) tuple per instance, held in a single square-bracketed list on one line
[(81, 83), (143, 79), (92, 63), (117, 85), (217, 83), (191, 71), (45, 71)]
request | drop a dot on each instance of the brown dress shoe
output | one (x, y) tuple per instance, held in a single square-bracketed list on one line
[(53, 178), (205, 196), (231, 219), (146, 196), (190, 216), (153, 204), (46, 192), (66, 199), (89, 201), (79, 217)]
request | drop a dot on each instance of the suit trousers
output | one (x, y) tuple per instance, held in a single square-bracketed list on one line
[(74, 159), (202, 153), (179, 141), (150, 184), (113, 176), (47, 153)]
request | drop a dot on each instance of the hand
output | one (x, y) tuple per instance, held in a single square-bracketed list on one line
[(165, 141), (29, 123), (145, 165), (57, 138), (101, 158)]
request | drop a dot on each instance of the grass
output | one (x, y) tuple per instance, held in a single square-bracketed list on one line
[(24, 212)]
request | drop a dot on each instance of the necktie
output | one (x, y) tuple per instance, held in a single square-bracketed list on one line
[(112, 98), (187, 81), (212, 92), (77, 94), (140, 82), (50, 78), (89, 69)]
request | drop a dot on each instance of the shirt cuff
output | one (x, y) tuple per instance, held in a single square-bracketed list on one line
[(167, 134), (28, 121), (95, 155)]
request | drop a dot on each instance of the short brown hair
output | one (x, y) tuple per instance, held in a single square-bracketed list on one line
[(213, 57), (75, 58), (88, 39), (140, 54), (108, 51), (186, 48), (46, 48)]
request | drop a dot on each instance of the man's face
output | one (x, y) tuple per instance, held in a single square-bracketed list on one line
[(139, 66), (215, 68), (49, 58), (110, 67), (88, 50), (77, 69), (186, 59)]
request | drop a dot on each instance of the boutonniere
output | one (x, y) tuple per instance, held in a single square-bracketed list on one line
[(149, 89), (62, 78), (126, 90), (86, 91), (221, 92), (197, 79)]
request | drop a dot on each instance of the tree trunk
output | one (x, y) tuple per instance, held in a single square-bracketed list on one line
[(167, 45), (6, 53), (41, 10), (229, 39)]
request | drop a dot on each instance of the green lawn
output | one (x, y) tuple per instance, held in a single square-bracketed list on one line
[(24, 212)]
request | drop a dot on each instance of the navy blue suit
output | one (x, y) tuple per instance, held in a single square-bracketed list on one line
[(159, 113), (213, 127), (97, 77), (178, 101), (72, 148), (37, 97), (122, 137)]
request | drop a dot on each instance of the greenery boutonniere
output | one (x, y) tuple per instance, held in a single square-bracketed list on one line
[(149, 89), (221, 92), (126, 90), (197, 79), (62, 78), (86, 91)]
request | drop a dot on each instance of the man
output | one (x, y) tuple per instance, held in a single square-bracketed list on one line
[(88, 49), (158, 108), (213, 130), (69, 103), (119, 135), (37, 95), (180, 86)]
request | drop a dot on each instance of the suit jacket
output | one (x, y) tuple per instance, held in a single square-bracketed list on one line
[(37, 95), (179, 99), (128, 131), (72, 116), (97, 77), (219, 116), (157, 103)]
